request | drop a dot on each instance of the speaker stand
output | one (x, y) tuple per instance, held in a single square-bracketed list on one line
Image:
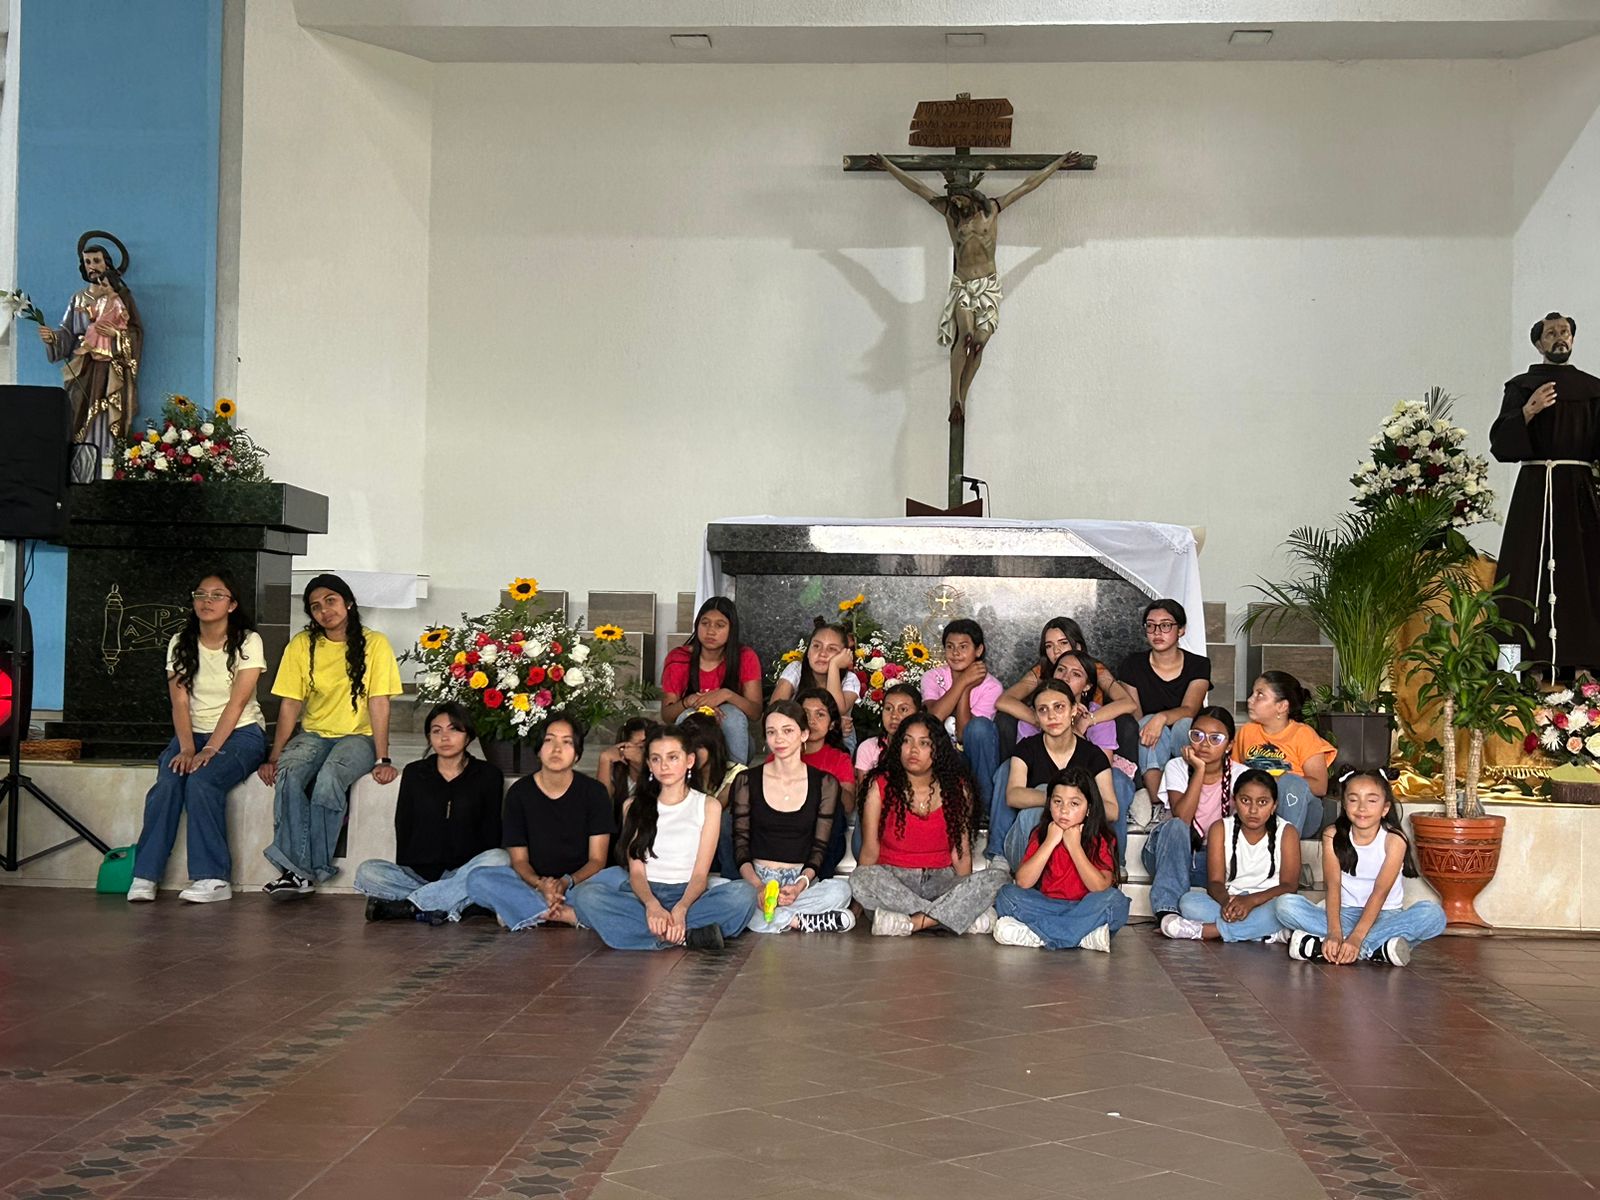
[(14, 785)]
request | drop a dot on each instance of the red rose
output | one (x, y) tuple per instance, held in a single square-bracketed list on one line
[(1434, 471), (535, 676), (893, 670), (1560, 721), (459, 670), (494, 697), (1402, 452), (1594, 716), (482, 640), (472, 657), (555, 647), (1530, 743), (557, 674), (877, 694), (518, 636), (196, 478), (118, 475), (170, 451)]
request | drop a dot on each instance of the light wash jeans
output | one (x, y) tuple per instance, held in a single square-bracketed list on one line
[(204, 795), (385, 880), (500, 887), (1063, 923), (1416, 923), (606, 904), (1025, 820), (980, 746), (1168, 746), (1174, 865), (315, 775), (824, 895), (1261, 924), (1298, 806), (735, 732)]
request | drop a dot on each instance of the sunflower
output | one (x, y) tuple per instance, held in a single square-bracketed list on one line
[(433, 639), (707, 710), (523, 589), (226, 409), (853, 603), (916, 652), (181, 400), (608, 633), (479, 680), (790, 656)]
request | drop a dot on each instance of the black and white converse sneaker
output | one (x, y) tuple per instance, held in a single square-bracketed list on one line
[(840, 920), (289, 886), (1305, 947), (1396, 952)]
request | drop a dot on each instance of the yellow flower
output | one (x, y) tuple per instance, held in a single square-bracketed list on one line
[(520, 702), (479, 680), (226, 409), (608, 633), (181, 400), (523, 589), (876, 679), (433, 639), (861, 652), (707, 709), (133, 450), (152, 436), (461, 657), (790, 656), (916, 652), (854, 602)]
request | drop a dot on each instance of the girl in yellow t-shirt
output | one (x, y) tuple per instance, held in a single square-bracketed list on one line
[(335, 681), (1277, 741)]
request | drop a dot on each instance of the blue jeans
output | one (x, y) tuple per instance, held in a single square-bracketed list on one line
[(735, 732), (205, 796), (1174, 865), (1416, 923), (980, 746), (514, 902), (1298, 806), (1261, 924), (1063, 923), (315, 775), (606, 904), (824, 895), (448, 894), (1168, 746), (1025, 820)]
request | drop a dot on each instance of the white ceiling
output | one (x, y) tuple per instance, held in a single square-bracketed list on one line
[(869, 31)]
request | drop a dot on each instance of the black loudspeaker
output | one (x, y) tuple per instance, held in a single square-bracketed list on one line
[(35, 457), (16, 685)]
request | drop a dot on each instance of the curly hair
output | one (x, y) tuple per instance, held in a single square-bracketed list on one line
[(951, 774), (355, 643), (186, 654)]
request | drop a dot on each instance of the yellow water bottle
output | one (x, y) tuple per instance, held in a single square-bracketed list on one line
[(769, 900)]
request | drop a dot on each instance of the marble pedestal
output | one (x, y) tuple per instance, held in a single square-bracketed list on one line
[(135, 551), (1010, 576)]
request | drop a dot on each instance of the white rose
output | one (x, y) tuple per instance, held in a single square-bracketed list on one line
[(1577, 719), (170, 436), (575, 677), (1393, 431), (875, 663), (430, 679), (207, 429), (186, 435), (161, 462), (532, 648), (1592, 745), (508, 681), (488, 654), (1414, 471), (197, 452), (579, 653)]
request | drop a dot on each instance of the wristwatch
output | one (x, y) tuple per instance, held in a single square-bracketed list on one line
[(566, 881)]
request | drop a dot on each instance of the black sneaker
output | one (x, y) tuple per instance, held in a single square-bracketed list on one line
[(1305, 947), (1396, 952), (476, 910), (706, 937), (390, 910), (289, 886)]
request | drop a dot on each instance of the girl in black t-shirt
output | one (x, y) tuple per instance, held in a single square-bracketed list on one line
[(1169, 684)]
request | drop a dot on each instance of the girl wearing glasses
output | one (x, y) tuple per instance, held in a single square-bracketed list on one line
[(1252, 858), (219, 737), (1169, 685), (1196, 792)]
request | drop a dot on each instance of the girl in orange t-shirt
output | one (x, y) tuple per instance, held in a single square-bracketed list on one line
[(1277, 741)]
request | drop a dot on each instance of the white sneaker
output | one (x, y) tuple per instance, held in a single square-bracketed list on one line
[(890, 924), (204, 891), (142, 891), (1278, 938), (1097, 939), (1396, 952), (1009, 931), (984, 922), (1175, 926)]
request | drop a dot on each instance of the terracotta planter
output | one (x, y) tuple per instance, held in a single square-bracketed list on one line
[(1458, 856)]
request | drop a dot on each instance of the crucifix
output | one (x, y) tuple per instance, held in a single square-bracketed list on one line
[(972, 305)]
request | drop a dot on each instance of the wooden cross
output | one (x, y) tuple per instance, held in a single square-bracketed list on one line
[(961, 124)]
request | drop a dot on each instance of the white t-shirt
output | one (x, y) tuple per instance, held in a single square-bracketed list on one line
[(677, 845), (848, 683), (1259, 866), (213, 682), (1175, 778)]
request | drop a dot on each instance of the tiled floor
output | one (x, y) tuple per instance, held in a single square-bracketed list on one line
[(250, 1052)]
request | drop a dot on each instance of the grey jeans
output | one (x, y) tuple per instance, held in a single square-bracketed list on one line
[(955, 901)]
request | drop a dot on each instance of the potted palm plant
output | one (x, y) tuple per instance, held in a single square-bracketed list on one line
[(1458, 654), (1359, 583)]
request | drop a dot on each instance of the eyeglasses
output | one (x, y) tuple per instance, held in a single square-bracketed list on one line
[(210, 596), (1160, 626), (1199, 737)]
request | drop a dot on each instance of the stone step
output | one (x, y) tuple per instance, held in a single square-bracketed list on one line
[(686, 609), (1288, 629), (1224, 674), (1314, 666), (1216, 621)]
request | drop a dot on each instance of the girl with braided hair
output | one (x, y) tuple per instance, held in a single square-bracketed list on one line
[(1252, 858), (341, 703), (918, 817), (1196, 792)]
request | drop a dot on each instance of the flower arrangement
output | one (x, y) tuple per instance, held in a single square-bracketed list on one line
[(191, 446), (510, 667), (1566, 725), (1421, 451), (882, 661)]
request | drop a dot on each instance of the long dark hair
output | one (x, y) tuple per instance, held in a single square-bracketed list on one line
[(731, 652), (705, 733), (355, 644), (1286, 687), (186, 654), (1091, 668), (1069, 629), (617, 785), (639, 826), (835, 735), (950, 773), (1256, 775), (1097, 831), (1344, 848), (808, 677), (1222, 717)]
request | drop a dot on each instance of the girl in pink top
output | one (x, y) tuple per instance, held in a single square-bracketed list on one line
[(918, 817)]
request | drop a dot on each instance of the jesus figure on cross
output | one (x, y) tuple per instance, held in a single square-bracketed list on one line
[(972, 308)]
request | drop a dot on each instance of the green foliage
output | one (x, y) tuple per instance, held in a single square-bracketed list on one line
[(1460, 652)]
